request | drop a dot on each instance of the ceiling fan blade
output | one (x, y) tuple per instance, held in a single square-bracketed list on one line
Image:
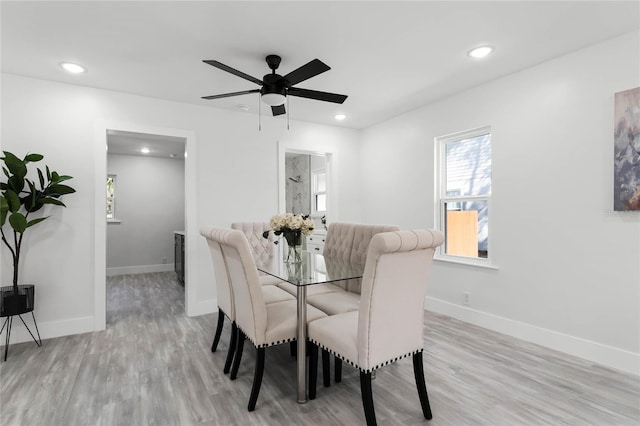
[(233, 71), (228, 95), (278, 110), (306, 71), (319, 96)]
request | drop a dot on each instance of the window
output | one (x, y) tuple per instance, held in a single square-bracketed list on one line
[(319, 191), (463, 176), (111, 197)]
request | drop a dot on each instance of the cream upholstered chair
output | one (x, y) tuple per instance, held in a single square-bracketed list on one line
[(348, 242), (260, 246), (224, 293), (263, 324), (389, 323)]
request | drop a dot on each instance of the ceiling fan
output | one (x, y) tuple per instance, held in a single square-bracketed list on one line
[(275, 88)]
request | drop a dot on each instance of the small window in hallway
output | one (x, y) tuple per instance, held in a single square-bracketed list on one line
[(111, 197)]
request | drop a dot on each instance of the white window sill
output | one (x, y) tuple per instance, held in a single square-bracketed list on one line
[(468, 261), (114, 221)]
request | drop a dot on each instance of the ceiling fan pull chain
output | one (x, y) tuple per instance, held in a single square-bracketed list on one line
[(288, 109), (259, 113)]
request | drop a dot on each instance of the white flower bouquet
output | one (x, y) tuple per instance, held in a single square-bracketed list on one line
[(291, 226)]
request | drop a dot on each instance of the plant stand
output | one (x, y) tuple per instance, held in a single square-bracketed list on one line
[(17, 304)]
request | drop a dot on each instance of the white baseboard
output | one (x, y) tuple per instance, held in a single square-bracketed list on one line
[(609, 356), (124, 270), (48, 329)]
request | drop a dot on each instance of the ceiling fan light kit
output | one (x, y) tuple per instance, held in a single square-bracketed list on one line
[(275, 89)]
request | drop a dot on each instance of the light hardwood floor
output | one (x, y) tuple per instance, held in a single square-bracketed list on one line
[(153, 366)]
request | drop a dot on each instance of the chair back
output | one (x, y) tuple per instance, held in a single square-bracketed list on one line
[(362, 235), (350, 242), (251, 311), (224, 292), (394, 283), (339, 241), (260, 246)]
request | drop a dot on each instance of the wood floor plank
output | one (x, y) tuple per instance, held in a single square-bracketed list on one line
[(153, 366)]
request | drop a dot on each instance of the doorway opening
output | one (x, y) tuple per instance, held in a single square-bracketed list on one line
[(145, 219), (142, 202)]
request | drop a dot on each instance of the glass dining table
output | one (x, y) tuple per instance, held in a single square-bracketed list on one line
[(313, 268)]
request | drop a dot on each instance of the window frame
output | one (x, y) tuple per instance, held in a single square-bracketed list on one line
[(442, 199), (112, 198), (315, 192)]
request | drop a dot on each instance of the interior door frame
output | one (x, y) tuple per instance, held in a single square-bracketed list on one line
[(329, 154), (100, 222)]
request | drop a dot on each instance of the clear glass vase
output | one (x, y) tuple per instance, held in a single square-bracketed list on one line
[(293, 255), (294, 246)]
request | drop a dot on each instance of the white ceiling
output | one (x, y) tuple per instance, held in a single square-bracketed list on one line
[(389, 57)]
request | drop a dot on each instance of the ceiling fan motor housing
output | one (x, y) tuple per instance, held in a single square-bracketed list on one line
[(274, 88)]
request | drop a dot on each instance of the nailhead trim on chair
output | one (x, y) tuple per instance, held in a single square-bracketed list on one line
[(266, 345), (353, 364)]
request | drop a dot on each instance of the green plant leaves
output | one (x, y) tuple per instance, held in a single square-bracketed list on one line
[(33, 158), (20, 196), (52, 201), (4, 209), (14, 164), (59, 189), (12, 200), (16, 183), (18, 222), (41, 178), (34, 221)]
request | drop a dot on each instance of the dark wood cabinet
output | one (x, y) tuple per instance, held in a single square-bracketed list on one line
[(179, 255)]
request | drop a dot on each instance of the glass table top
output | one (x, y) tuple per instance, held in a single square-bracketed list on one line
[(314, 268)]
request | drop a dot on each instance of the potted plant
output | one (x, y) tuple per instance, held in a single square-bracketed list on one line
[(20, 198)]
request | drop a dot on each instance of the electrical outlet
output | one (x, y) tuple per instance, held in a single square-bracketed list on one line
[(164, 260), (467, 299)]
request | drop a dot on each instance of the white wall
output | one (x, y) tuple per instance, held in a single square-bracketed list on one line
[(569, 266), (236, 179), (150, 204)]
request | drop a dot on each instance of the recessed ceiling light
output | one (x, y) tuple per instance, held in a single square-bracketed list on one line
[(144, 150), (339, 117), (73, 68), (480, 52)]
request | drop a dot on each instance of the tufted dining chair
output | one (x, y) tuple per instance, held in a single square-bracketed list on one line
[(264, 324), (389, 323), (224, 293), (260, 246), (348, 242)]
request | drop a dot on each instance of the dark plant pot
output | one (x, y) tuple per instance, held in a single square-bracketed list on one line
[(16, 304)]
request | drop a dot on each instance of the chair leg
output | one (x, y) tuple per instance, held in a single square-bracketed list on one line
[(337, 365), (367, 398), (422, 388), (326, 369), (257, 378), (216, 338), (232, 347), (238, 356), (313, 370)]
